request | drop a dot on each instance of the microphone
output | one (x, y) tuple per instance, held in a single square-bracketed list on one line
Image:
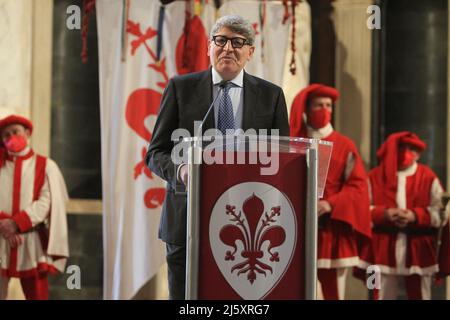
[(222, 85), (180, 188)]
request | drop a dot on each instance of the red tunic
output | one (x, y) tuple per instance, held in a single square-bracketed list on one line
[(344, 232), (411, 250)]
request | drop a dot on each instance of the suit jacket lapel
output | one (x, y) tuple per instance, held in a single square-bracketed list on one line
[(204, 98), (250, 100)]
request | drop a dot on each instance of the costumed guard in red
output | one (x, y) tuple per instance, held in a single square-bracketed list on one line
[(33, 225), (406, 216), (344, 217)]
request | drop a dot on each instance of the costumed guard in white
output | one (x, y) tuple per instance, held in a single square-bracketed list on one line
[(33, 224)]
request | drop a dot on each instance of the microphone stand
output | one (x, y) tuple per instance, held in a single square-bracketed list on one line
[(197, 147), (222, 85)]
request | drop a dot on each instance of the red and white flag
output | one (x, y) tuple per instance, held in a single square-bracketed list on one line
[(130, 94), (273, 42), (271, 36)]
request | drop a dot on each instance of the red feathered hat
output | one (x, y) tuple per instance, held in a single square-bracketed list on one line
[(301, 101), (15, 119), (388, 152)]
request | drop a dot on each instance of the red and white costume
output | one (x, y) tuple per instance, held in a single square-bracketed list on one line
[(34, 195), (408, 253), (344, 231)]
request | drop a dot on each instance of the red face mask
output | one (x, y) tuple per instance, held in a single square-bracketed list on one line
[(405, 158), (16, 143), (319, 118)]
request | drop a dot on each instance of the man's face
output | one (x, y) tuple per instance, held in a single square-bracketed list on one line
[(14, 129), (319, 112), (229, 61), (321, 102), (407, 155)]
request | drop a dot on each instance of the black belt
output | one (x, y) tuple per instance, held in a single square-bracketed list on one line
[(35, 228), (408, 231)]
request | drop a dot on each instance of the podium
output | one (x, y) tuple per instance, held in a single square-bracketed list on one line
[(252, 216)]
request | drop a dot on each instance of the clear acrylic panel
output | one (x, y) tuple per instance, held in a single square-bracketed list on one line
[(259, 143)]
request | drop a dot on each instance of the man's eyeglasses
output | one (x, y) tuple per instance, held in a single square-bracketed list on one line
[(237, 42)]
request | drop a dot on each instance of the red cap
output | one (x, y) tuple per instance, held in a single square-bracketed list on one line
[(12, 119), (15, 119), (414, 141), (301, 100), (387, 153)]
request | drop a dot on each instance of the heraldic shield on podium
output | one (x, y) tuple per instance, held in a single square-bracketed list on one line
[(252, 222)]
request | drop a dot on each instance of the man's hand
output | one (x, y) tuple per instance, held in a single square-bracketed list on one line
[(8, 228), (392, 214), (323, 207), (184, 174), (15, 240), (405, 217)]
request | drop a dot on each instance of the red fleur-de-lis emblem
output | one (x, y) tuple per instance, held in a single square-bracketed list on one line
[(253, 234), (144, 102)]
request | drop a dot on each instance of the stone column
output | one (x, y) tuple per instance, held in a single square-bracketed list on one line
[(15, 57), (353, 80), (25, 57), (353, 72), (41, 74)]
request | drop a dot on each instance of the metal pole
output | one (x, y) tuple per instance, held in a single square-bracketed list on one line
[(193, 213), (311, 224)]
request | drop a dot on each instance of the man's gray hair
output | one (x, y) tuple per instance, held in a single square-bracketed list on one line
[(236, 24)]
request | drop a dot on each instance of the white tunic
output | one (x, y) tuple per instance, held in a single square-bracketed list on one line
[(48, 212)]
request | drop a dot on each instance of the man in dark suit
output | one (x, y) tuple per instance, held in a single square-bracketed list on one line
[(246, 102)]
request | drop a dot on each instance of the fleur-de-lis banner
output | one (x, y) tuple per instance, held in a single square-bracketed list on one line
[(133, 76)]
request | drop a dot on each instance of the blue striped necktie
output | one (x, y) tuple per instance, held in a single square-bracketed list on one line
[(226, 117)]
